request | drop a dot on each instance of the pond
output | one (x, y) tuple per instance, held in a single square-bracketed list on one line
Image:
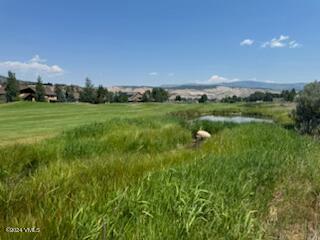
[(236, 119)]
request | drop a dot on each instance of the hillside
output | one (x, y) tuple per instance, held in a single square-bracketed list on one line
[(3, 80), (241, 84)]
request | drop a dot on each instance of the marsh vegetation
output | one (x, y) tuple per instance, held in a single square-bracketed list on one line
[(129, 169)]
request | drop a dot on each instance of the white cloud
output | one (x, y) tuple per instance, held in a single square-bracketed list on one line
[(36, 58), (153, 74), (219, 79), (216, 78), (294, 44), (170, 74), (247, 42), (281, 42), (35, 64)]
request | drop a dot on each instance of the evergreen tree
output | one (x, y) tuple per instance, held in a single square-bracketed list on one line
[(88, 93), (292, 95), (12, 87), (159, 95), (102, 94), (203, 99), (289, 96), (178, 98), (70, 94), (120, 97), (146, 97), (40, 91), (61, 97), (110, 96)]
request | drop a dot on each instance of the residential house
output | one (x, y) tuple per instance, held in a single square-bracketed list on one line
[(136, 97), (28, 93)]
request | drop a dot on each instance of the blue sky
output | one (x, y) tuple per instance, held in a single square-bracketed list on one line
[(148, 42)]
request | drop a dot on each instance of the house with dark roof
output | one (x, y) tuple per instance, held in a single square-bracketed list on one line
[(28, 93)]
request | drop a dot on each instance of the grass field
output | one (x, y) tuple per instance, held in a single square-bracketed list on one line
[(28, 122), (131, 171)]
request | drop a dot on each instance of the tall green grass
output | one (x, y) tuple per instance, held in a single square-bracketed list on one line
[(138, 178)]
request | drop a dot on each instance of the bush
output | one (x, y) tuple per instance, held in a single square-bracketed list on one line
[(307, 113)]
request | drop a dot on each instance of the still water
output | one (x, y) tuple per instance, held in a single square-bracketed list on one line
[(237, 119)]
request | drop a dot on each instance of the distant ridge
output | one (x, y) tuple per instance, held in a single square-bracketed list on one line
[(3, 80), (238, 84), (241, 84)]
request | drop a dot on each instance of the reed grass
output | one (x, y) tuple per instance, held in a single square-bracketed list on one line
[(139, 178)]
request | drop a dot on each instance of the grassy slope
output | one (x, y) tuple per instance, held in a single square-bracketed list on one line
[(247, 182)]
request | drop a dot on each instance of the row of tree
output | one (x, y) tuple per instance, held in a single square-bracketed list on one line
[(286, 95), (90, 94), (156, 95)]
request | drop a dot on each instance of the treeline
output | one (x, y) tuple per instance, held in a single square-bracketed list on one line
[(156, 95), (90, 94), (258, 96)]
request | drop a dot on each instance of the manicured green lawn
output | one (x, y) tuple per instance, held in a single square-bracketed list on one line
[(27, 122)]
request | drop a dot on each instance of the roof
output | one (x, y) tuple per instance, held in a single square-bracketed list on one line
[(26, 88), (137, 97), (48, 90)]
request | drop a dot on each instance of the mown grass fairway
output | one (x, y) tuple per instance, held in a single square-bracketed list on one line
[(27, 122), (133, 171)]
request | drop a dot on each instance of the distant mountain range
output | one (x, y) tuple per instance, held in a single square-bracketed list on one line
[(3, 80), (238, 84), (241, 84)]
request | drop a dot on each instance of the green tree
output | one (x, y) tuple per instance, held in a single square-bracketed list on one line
[(256, 96), (293, 94), (12, 87), (88, 93), (159, 95), (40, 91), (120, 97), (178, 98), (110, 96), (70, 94), (307, 113), (102, 94), (203, 99), (289, 95), (147, 97), (268, 97), (61, 96)]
